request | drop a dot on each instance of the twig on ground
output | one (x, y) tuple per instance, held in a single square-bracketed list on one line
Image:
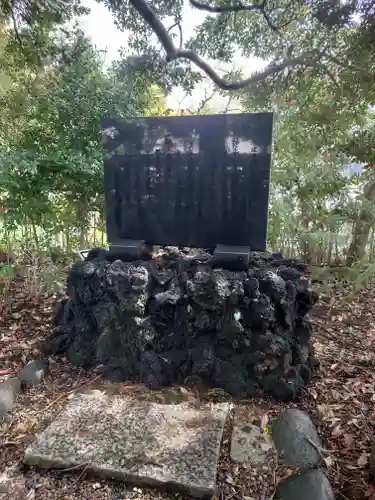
[(322, 451), (323, 327), (67, 394), (83, 466), (75, 467), (81, 475)]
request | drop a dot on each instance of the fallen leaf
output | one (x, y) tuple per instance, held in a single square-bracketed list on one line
[(348, 439), (266, 446), (21, 427), (83, 433), (328, 461), (363, 459), (31, 494), (336, 431), (6, 371), (264, 421)]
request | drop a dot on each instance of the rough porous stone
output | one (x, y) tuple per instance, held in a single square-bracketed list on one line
[(9, 389), (175, 320), (136, 441), (33, 373), (311, 484), (249, 444), (293, 432)]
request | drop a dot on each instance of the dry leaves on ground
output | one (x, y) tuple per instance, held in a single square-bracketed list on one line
[(341, 401), (344, 394)]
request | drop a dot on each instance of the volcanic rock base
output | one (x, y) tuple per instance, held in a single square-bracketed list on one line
[(176, 320), (136, 441)]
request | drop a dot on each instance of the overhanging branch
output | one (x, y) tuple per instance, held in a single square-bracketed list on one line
[(178, 25), (238, 7), (15, 25), (143, 8)]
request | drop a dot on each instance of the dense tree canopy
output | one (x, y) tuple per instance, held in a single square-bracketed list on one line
[(51, 150), (322, 37)]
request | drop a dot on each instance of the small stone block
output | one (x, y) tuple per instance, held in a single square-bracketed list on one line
[(249, 444), (139, 442)]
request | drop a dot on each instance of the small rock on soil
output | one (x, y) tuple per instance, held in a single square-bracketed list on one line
[(311, 484), (296, 439), (33, 373), (8, 391)]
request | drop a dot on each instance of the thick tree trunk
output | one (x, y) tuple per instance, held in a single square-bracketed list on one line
[(362, 227)]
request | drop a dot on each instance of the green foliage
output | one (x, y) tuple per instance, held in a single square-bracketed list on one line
[(6, 271), (51, 175), (361, 140)]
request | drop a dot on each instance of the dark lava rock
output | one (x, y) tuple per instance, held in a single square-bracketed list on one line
[(33, 373), (9, 389), (293, 432), (309, 485), (175, 319)]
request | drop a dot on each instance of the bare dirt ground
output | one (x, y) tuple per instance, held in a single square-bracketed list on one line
[(341, 401)]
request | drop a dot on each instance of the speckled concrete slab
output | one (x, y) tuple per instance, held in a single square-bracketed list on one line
[(140, 442), (249, 445)]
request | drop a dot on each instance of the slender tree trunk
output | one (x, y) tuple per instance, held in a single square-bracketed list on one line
[(371, 249), (94, 230), (35, 235), (330, 249), (304, 239), (82, 212), (362, 226), (67, 240), (337, 251)]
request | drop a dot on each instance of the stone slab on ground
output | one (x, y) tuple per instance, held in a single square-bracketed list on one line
[(139, 442), (249, 445)]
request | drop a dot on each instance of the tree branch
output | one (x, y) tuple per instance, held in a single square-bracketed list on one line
[(172, 53), (207, 98), (179, 29), (14, 21), (226, 109), (239, 7)]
